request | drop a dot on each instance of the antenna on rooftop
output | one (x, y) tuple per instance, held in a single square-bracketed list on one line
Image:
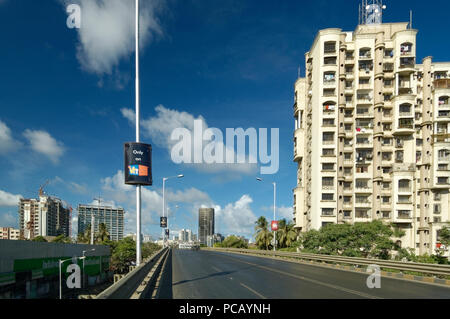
[(410, 18), (371, 12)]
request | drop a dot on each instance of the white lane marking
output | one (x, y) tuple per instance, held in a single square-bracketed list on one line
[(254, 291), (216, 269), (361, 294)]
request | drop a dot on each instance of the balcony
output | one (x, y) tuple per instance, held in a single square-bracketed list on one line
[(407, 63), (442, 84), (404, 217), (362, 214)]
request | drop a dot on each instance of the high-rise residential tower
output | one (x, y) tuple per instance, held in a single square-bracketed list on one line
[(113, 218), (205, 224), (372, 133)]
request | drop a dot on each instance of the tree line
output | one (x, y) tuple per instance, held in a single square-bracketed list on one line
[(367, 240)]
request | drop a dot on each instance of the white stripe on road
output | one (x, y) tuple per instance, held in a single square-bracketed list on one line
[(254, 291)]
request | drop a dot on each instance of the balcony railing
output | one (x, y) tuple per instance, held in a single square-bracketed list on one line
[(404, 215)]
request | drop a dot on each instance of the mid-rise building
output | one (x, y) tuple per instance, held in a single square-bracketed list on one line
[(9, 233), (46, 216), (372, 135), (113, 218), (205, 224)]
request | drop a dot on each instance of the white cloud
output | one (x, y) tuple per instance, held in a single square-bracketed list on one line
[(7, 142), (9, 200), (281, 212), (43, 143), (107, 33), (71, 186), (116, 191), (8, 219), (236, 218), (160, 127)]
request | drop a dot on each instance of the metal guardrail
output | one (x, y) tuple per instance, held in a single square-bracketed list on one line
[(431, 269), (127, 286)]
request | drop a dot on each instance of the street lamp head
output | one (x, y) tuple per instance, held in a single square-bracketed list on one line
[(180, 176), (259, 179)]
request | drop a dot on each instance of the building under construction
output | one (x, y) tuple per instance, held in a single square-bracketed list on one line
[(45, 216)]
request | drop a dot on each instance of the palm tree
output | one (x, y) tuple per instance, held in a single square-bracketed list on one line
[(103, 234), (286, 233), (85, 237), (263, 236)]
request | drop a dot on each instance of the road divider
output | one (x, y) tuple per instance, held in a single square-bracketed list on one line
[(136, 284)]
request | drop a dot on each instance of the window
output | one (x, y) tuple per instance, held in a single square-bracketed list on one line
[(437, 209), (361, 213), (347, 185), (328, 138), (347, 199), (348, 127), (404, 214), (328, 166), (437, 196), (327, 197), (362, 184), (404, 185), (327, 183), (404, 199), (365, 53), (327, 211), (329, 77), (406, 48), (329, 61), (362, 169), (328, 122), (388, 53), (386, 200), (328, 152), (347, 214), (442, 180), (347, 171), (330, 47)]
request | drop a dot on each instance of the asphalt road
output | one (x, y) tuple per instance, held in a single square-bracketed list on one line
[(217, 275)]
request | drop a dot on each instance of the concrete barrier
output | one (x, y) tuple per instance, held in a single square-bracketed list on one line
[(126, 286)]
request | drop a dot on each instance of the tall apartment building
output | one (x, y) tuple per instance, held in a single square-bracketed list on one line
[(46, 216), (205, 224), (113, 218), (372, 133), (9, 233)]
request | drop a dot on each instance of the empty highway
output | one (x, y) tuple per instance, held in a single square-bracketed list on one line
[(216, 275)]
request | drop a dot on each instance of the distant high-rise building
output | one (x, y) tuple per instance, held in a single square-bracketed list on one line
[(9, 233), (113, 218), (45, 216), (372, 133), (205, 224)]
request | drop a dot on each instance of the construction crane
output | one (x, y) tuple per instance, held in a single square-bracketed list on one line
[(41, 189)]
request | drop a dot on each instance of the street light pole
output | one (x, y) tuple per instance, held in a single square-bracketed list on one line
[(164, 202), (138, 187), (274, 210)]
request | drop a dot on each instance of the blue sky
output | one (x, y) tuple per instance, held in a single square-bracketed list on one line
[(65, 95)]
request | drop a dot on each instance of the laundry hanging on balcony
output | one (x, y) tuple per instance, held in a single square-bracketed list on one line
[(328, 107)]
